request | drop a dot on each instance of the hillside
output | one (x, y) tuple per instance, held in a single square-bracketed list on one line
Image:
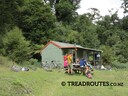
[(42, 83)]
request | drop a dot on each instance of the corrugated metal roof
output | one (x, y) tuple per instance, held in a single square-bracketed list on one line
[(67, 45), (64, 45)]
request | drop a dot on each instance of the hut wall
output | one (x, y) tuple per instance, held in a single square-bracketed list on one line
[(51, 53)]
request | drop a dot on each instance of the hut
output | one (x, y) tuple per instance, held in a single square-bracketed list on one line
[(55, 51)]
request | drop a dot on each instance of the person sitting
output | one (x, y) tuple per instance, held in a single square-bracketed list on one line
[(82, 62), (82, 65), (89, 65), (88, 70), (88, 74), (77, 61)]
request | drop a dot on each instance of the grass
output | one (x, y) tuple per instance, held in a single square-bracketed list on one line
[(42, 83)]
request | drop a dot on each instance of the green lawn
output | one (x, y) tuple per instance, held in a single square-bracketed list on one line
[(42, 83)]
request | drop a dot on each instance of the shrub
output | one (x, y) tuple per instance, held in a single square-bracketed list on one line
[(15, 46), (4, 61), (107, 55), (119, 65)]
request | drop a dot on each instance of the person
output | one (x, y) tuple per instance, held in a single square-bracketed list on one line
[(65, 61), (82, 62), (89, 65), (88, 70), (77, 61), (88, 74), (70, 66), (82, 65)]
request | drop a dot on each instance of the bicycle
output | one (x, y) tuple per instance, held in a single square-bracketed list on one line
[(45, 64)]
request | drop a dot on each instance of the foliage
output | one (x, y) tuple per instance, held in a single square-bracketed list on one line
[(125, 6), (16, 47), (9, 14), (110, 33), (94, 14), (125, 23), (118, 65), (33, 61), (36, 21), (65, 10), (107, 55), (87, 35), (4, 61), (64, 33), (123, 56)]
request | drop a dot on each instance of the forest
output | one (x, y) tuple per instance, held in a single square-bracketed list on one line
[(27, 25)]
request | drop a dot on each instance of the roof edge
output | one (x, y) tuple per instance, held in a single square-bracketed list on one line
[(55, 44), (50, 42)]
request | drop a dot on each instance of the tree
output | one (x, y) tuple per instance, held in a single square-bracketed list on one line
[(107, 55), (65, 10), (81, 23), (112, 32), (16, 47), (86, 36), (9, 14), (64, 33), (94, 14), (124, 5), (124, 22), (10, 11), (108, 27), (123, 56), (36, 21)]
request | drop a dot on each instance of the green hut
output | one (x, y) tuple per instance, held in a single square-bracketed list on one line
[(55, 51)]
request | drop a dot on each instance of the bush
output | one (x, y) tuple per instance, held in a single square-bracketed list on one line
[(4, 61), (33, 61), (15, 46), (119, 65), (107, 55), (31, 64)]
